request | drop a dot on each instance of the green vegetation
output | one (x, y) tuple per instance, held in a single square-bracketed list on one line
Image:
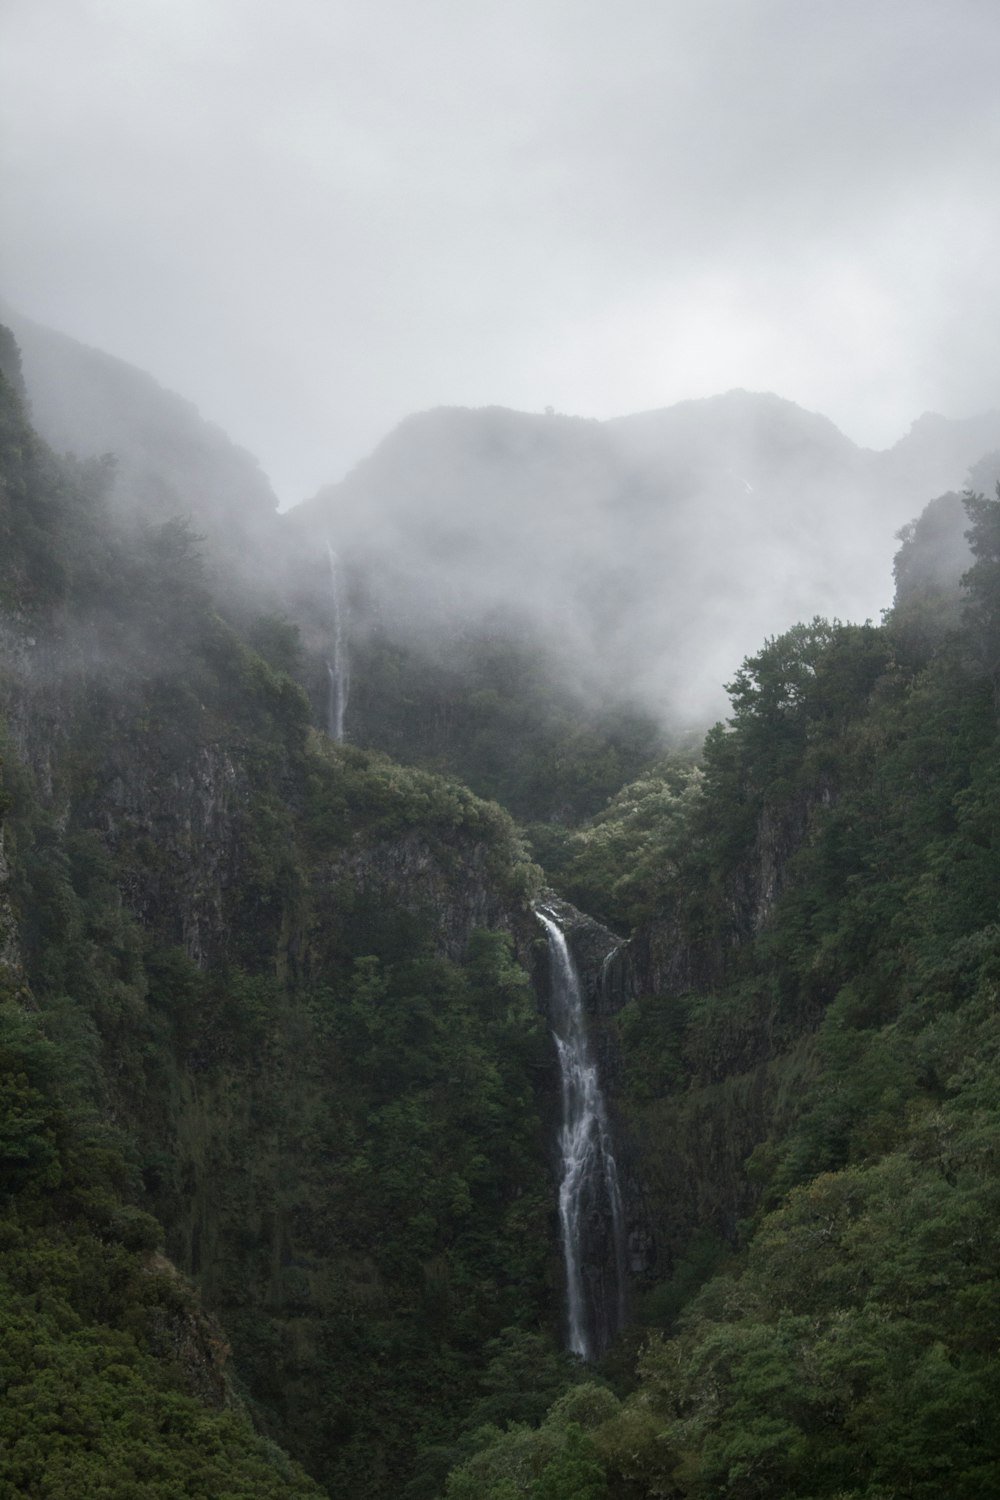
[(233, 1035), (495, 711), (276, 1096), (622, 865), (818, 1123), (113, 1378)]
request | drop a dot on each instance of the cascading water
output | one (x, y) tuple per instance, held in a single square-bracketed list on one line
[(591, 1215), (339, 669)]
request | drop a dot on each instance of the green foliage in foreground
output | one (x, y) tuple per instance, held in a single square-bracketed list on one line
[(556, 1460), (112, 1377)]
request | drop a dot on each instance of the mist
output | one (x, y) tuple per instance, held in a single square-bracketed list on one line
[(626, 565), (415, 1003), (313, 220), (645, 557), (619, 340)]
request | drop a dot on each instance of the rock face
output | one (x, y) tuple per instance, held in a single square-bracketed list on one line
[(730, 1087), (177, 799), (732, 1067), (226, 882), (453, 897), (183, 1334), (98, 757), (674, 955)]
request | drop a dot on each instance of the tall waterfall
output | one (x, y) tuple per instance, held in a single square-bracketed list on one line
[(591, 1215), (339, 669)]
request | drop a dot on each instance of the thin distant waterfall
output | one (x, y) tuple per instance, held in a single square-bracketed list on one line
[(591, 1215), (339, 669)]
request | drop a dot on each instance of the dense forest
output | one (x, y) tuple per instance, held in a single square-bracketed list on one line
[(280, 1097)]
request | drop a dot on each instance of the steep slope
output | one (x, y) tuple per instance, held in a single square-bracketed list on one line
[(807, 1076), (258, 989), (934, 454), (169, 462)]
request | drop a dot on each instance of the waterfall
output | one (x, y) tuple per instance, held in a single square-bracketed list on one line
[(591, 1214), (339, 669)]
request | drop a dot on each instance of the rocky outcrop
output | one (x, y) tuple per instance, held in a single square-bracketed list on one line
[(734, 1067), (451, 888), (693, 951), (176, 830), (181, 1333)]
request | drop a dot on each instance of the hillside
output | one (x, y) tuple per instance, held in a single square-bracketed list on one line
[(284, 1128), (169, 461), (519, 593), (267, 1048), (806, 1075)]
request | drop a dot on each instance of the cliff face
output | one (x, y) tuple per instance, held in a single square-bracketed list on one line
[(730, 1070), (451, 891), (273, 942), (725, 1072), (282, 973), (702, 1062), (695, 948), (732, 979)]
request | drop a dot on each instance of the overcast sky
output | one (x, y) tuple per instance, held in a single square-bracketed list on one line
[(313, 217)]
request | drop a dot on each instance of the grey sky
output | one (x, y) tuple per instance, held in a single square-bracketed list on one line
[(316, 216)]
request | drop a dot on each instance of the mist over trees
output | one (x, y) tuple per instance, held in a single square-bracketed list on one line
[(280, 1108), (647, 554), (539, 604), (500, 836)]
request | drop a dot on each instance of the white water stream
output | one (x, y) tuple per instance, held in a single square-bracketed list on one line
[(339, 669), (591, 1214)]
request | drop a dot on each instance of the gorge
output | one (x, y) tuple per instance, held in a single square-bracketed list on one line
[(302, 1196)]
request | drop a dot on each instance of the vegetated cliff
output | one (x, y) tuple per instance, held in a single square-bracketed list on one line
[(698, 1069), (263, 988), (529, 599), (168, 461), (811, 1087), (264, 1008), (115, 1379), (714, 1038)]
